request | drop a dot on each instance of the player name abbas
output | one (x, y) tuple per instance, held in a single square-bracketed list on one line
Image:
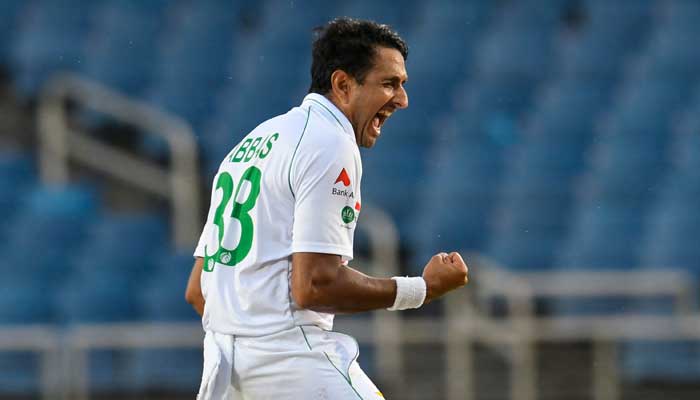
[(251, 149)]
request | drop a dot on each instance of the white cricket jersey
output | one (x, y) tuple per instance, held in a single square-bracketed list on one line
[(291, 185)]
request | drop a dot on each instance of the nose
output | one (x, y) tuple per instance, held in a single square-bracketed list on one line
[(401, 98)]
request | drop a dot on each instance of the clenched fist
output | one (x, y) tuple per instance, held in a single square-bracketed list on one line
[(443, 273)]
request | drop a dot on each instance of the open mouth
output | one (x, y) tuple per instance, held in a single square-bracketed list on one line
[(379, 120)]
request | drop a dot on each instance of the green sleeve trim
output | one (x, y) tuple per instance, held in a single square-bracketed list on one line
[(331, 362), (305, 339), (289, 173)]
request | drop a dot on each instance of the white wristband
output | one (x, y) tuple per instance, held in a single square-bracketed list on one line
[(410, 292)]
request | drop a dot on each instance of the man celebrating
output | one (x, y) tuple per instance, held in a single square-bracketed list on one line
[(271, 264)]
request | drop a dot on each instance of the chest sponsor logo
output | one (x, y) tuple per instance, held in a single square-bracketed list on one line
[(344, 179)]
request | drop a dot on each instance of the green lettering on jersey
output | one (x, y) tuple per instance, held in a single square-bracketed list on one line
[(241, 150), (250, 148), (268, 145)]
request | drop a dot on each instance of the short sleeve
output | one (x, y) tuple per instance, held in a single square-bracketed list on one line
[(325, 183), (199, 250)]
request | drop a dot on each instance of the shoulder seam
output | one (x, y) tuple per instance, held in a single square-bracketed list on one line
[(330, 112), (289, 173)]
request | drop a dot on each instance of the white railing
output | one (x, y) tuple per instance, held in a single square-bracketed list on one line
[(521, 291), (463, 326), (59, 143)]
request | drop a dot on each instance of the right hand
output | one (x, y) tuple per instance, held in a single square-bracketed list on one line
[(443, 273)]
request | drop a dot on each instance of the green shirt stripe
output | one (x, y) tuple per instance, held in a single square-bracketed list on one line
[(289, 174), (331, 362), (331, 112)]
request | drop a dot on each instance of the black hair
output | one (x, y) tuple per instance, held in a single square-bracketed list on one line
[(349, 45)]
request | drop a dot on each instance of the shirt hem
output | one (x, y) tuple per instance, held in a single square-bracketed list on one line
[(322, 248)]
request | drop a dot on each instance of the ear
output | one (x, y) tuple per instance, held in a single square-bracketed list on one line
[(342, 85)]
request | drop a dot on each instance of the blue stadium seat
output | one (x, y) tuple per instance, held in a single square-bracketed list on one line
[(49, 39), (124, 244), (685, 149), (402, 164), (96, 296), (190, 100), (676, 361), (467, 17), (19, 374), (17, 175), (495, 102), (669, 59), (674, 224), (77, 202), (567, 109), (612, 32), (530, 200), (683, 13), (28, 300), (119, 249), (496, 54), (402, 19), (457, 192), (430, 86), (541, 155), (162, 294), (671, 242), (217, 139), (527, 250), (531, 15), (634, 164), (653, 96), (53, 220), (192, 65), (590, 244), (112, 42), (8, 18), (622, 16), (161, 298), (110, 372), (165, 370), (290, 17), (531, 218)]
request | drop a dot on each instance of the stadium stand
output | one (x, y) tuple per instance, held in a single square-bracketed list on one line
[(538, 132)]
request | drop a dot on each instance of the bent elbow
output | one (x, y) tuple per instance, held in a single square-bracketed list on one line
[(191, 297), (303, 298), (314, 279)]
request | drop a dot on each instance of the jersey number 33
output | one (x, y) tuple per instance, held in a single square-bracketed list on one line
[(240, 211)]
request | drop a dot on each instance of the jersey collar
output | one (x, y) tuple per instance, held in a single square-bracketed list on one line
[(327, 107)]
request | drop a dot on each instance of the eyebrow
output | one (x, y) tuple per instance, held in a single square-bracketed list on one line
[(394, 79)]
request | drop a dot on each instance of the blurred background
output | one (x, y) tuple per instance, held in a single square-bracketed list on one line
[(557, 142)]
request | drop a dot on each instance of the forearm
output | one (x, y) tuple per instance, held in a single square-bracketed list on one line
[(351, 291), (198, 305), (193, 293)]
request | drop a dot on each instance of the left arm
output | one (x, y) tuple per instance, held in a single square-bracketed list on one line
[(193, 293)]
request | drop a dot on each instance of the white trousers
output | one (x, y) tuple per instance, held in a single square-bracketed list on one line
[(303, 363)]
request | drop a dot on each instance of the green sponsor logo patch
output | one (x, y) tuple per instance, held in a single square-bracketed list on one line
[(348, 214)]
